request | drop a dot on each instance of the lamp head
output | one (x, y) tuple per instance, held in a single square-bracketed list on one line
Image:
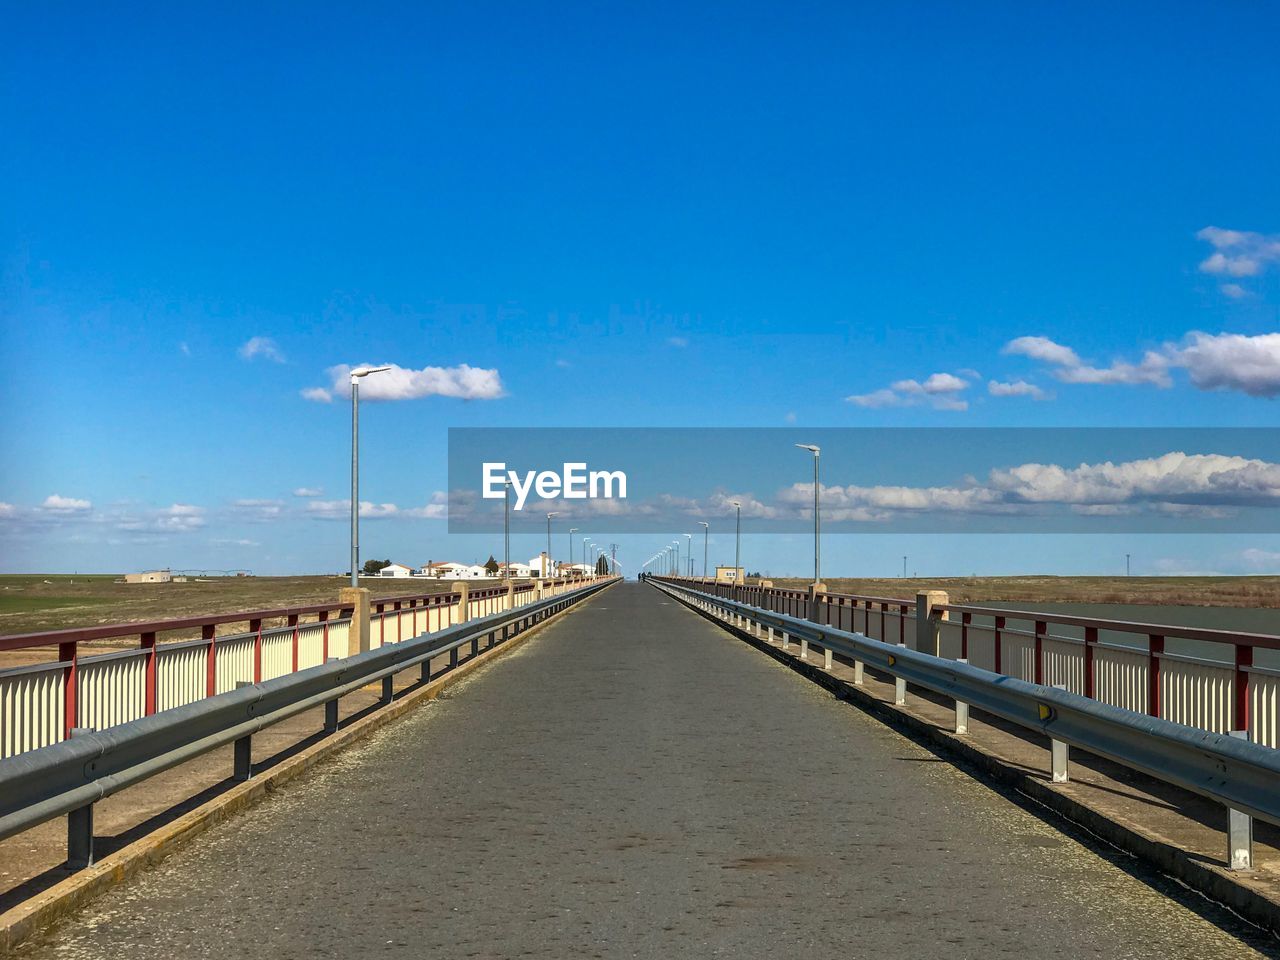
[(811, 447), (365, 371)]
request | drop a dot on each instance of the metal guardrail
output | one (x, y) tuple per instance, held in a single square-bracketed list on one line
[(1242, 776), (69, 776), (1123, 663)]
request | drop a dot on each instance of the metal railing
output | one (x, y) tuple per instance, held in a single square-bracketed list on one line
[(70, 776), (42, 703), (1221, 691), (1240, 775)]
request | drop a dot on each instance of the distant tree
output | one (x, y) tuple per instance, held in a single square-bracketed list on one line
[(602, 566), (491, 566), (371, 567)]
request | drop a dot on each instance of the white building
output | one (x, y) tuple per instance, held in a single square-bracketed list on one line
[(396, 570)]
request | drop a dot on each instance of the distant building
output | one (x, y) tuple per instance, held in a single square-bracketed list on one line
[(395, 570), (149, 576), (449, 570), (730, 575), (516, 571)]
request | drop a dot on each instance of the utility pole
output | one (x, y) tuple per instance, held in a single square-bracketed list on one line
[(1126, 564)]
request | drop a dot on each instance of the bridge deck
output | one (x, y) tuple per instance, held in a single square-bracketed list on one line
[(635, 783)]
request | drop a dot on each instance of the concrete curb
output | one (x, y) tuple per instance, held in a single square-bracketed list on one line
[(1216, 883), (45, 909)]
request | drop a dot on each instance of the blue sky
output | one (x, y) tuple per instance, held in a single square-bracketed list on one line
[(726, 216)]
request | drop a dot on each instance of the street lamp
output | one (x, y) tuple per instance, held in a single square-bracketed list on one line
[(572, 531), (706, 535), (689, 551), (737, 540), (675, 571), (546, 563), (817, 520), (506, 530), (355, 467)]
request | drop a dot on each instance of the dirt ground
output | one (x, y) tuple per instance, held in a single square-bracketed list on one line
[(1159, 591), (36, 602)]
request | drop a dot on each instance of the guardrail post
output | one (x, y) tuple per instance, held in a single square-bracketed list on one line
[(804, 648), (388, 691), (929, 620), (900, 686), (357, 598), (1059, 753), (827, 658), (858, 673), (331, 709), (242, 762), (962, 711), (786, 640), (80, 825), (1239, 828)]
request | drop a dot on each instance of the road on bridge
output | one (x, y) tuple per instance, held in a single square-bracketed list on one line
[(634, 783)]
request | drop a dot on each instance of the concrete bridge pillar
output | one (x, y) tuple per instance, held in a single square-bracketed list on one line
[(464, 600), (357, 598), (928, 620)]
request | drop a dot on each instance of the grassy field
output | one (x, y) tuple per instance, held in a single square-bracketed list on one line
[(1156, 591)]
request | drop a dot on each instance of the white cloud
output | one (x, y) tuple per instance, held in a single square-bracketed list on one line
[(1174, 478), (316, 394), (1254, 557), (57, 504), (1234, 290), (1231, 361), (308, 492), (258, 510), (185, 348), (1043, 349), (1238, 253), (341, 509), (563, 364), (235, 543), (677, 341), (1069, 368), (1016, 388), (461, 382), (263, 347), (7, 510), (790, 417), (436, 508), (939, 390), (177, 518)]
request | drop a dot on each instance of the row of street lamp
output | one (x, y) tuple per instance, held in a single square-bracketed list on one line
[(668, 558)]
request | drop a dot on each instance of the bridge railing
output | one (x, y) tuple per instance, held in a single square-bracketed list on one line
[(1240, 775), (70, 776), (1211, 681), (40, 704)]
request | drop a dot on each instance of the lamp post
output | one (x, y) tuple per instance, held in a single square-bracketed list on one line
[(506, 530), (676, 554), (546, 563), (706, 535), (817, 519), (737, 540), (355, 467), (572, 531)]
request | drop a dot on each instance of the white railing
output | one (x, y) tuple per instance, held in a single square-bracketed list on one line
[(41, 704), (1220, 695)]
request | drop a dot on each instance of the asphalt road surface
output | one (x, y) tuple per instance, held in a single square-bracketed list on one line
[(634, 783)]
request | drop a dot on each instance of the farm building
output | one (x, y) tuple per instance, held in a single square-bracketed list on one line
[(149, 576)]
